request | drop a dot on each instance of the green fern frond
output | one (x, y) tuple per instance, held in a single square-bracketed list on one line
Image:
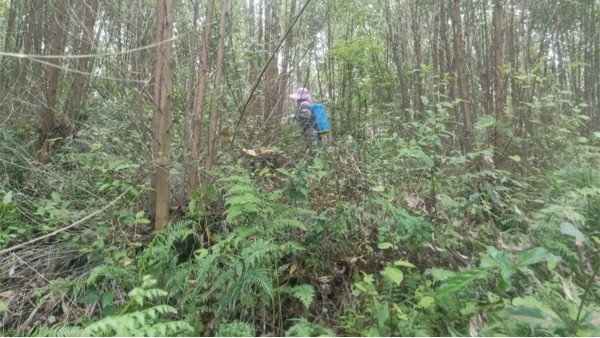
[(260, 278), (240, 189), (113, 272), (564, 250), (304, 328), (284, 224), (305, 293), (236, 329), (57, 331), (167, 329), (257, 251), (139, 323)]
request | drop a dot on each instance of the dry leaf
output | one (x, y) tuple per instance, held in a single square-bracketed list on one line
[(294, 267)]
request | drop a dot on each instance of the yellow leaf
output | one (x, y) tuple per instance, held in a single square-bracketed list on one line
[(250, 152), (294, 267)]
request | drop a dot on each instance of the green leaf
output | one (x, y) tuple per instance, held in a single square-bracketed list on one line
[(569, 229), (7, 199), (485, 122), (394, 274), (531, 316), (404, 263), (89, 298), (139, 214), (425, 302), (515, 158), (284, 171), (385, 245), (460, 281), (318, 163), (378, 188), (536, 255), (3, 306)]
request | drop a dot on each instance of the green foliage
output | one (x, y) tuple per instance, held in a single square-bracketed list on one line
[(304, 328), (146, 321), (235, 328), (305, 293)]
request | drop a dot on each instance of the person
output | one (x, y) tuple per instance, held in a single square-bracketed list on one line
[(305, 116)]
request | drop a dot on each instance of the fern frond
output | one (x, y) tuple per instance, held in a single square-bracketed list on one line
[(305, 293), (57, 331), (236, 329), (284, 224), (167, 329), (257, 251), (113, 272), (137, 323)]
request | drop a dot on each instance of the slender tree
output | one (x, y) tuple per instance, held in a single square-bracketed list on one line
[(57, 46), (214, 108), (79, 86), (199, 98), (461, 73), (161, 120)]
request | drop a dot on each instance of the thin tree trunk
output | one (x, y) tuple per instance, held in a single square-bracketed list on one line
[(418, 58), (461, 70), (84, 64), (30, 25), (184, 197), (161, 120), (199, 98), (394, 41), (52, 79), (8, 43), (499, 91), (214, 108), (285, 75)]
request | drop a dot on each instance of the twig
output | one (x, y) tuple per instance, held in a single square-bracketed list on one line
[(65, 228)]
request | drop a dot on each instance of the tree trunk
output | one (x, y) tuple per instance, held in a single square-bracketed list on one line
[(53, 79), (78, 88), (499, 92), (8, 43), (184, 197), (285, 75), (214, 108), (199, 98), (161, 119), (461, 71), (418, 58)]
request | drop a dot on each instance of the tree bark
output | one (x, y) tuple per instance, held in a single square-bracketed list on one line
[(214, 108), (461, 71), (184, 197), (78, 88), (199, 98), (499, 92), (52, 79), (161, 120)]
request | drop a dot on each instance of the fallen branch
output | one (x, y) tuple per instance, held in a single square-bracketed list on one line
[(65, 228)]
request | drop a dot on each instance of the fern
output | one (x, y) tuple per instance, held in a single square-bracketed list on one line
[(257, 251), (113, 272), (305, 293), (56, 331), (144, 322), (236, 329), (304, 328)]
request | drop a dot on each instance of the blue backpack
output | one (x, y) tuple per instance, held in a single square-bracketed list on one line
[(321, 120)]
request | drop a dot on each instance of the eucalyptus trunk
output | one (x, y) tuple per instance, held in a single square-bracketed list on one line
[(161, 119)]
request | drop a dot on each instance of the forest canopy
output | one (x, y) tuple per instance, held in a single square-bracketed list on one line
[(157, 179)]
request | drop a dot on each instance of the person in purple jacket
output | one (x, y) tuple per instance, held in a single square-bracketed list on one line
[(305, 116)]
